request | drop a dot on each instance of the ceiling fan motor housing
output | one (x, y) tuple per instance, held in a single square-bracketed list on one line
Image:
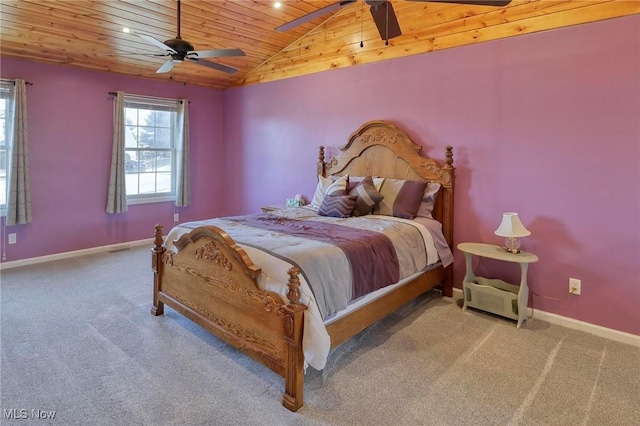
[(180, 50), (179, 45)]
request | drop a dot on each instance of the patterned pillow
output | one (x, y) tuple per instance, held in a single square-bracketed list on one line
[(428, 200), (329, 186), (337, 205), (368, 196), (401, 198)]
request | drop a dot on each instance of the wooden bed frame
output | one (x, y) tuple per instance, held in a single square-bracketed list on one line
[(213, 282)]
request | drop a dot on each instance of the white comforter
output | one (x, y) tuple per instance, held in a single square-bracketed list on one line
[(413, 257)]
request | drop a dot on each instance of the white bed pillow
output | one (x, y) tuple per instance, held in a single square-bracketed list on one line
[(328, 186)]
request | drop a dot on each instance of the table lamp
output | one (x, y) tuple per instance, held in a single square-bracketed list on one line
[(511, 229)]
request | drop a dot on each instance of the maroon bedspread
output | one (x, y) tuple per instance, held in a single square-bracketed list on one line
[(372, 257)]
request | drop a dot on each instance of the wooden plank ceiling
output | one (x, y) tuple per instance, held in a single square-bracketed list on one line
[(88, 33)]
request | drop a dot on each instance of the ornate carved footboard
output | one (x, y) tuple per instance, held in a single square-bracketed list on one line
[(213, 282)]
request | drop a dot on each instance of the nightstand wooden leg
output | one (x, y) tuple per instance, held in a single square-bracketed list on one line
[(523, 294), (469, 277)]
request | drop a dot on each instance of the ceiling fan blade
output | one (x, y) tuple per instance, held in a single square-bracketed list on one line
[(385, 18), (477, 2), (151, 55), (167, 66), (313, 15), (157, 43), (217, 53), (214, 65)]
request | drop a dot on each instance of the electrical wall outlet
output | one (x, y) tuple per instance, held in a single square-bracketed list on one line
[(176, 217), (575, 286), (12, 238)]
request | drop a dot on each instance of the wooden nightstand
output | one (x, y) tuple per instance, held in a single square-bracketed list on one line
[(493, 295)]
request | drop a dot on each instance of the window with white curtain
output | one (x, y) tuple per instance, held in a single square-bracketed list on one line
[(150, 149), (5, 95)]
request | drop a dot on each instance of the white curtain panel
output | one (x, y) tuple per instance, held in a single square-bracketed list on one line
[(183, 184), (19, 184), (117, 199)]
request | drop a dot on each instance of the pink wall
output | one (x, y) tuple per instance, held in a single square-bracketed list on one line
[(70, 115), (547, 125)]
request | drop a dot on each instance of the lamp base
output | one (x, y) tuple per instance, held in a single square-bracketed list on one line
[(512, 245)]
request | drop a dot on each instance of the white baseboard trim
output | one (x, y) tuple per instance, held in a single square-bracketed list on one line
[(608, 333), (69, 254)]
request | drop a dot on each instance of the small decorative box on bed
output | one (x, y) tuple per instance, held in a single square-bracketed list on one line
[(286, 286)]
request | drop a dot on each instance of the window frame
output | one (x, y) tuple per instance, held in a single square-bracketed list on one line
[(139, 102)]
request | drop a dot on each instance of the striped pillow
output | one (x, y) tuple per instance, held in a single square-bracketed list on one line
[(401, 198), (354, 180), (328, 186), (337, 205), (368, 196), (428, 200)]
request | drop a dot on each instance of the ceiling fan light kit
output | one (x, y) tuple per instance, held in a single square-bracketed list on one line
[(383, 14), (182, 51)]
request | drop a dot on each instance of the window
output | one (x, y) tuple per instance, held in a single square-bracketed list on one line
[(5, 127), (150, 149)]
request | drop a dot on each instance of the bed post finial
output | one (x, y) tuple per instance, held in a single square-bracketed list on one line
[(449, 156), (294, 286), (322, 171), (158, 240)]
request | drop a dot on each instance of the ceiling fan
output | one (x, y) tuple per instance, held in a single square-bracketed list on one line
[(383, 14), (181, 50)]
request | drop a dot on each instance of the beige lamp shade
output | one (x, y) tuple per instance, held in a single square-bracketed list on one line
[(511, 227)]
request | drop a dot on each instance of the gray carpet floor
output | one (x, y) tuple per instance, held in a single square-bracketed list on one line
[(77, 339)]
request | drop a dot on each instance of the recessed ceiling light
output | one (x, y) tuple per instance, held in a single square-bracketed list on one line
[(277, 5), (126, 30)]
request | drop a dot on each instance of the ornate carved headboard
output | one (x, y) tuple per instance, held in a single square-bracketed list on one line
[(380, 149)]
